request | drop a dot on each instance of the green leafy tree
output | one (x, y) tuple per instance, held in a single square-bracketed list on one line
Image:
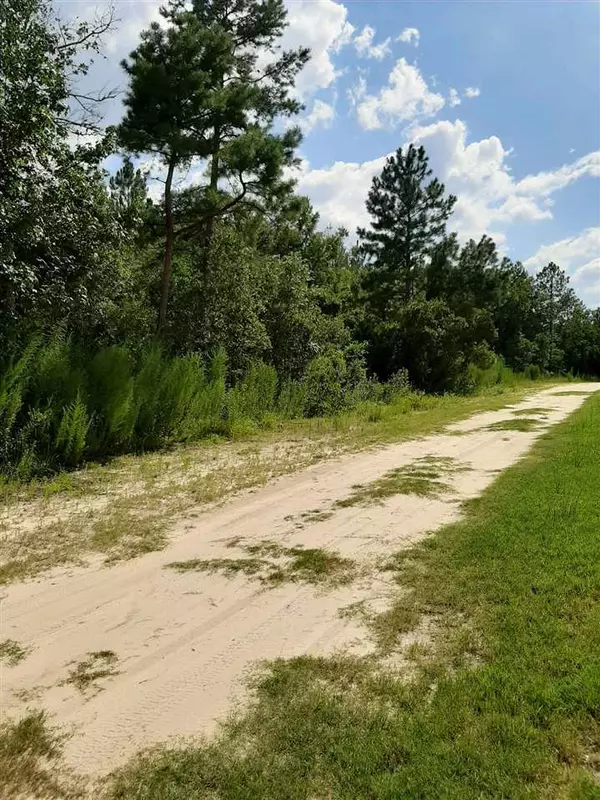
[(209, 86), (555, 301), (409, 214), (56, 221), (432, 342)]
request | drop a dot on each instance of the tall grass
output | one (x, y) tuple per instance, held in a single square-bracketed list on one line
[(61, 406), (58, 407)]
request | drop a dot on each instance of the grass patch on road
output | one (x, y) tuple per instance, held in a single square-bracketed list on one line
[(522, 424), (272, 565), (505, 706), (573, 393), (421, 477), (523, 412), (86, 674), (12, 653)]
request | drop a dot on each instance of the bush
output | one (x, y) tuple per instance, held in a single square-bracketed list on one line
[(325, 384), (291, 400), (533, 372)]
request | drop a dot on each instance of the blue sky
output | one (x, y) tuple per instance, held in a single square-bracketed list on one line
[(505, 97)]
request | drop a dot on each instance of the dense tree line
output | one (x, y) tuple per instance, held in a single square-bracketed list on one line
[(226, 289)]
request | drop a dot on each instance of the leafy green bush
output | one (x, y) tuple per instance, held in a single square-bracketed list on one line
[(291, 400), (325, 384), (533, 372)]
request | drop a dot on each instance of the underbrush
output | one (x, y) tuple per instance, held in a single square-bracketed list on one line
[(61, 407)]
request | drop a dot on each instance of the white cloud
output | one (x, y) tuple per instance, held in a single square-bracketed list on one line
[(472, 91), (344, 38), (490, 199), (545, 183), (321, 114), (323, 26), (364, 40), (579, 256), (339, 191), (356, 93), (453, 98), (131, 21), (406, 97), (410, 36), (364, 46)]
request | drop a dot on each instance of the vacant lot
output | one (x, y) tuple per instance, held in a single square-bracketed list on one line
[(461, 663)]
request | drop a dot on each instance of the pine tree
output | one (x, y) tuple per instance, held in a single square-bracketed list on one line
[(209, 86), (409, 218), (129, 194), (555, 301)]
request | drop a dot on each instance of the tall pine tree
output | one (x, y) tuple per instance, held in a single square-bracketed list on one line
[(409, 214), (209, 85)]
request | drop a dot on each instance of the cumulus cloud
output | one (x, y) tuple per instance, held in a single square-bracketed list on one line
[(410, 36), (365, 47), (453, 98), (579, 256), (472, 91), (321, 114), (323, 26), (405, 98), (339, 191), (490, 198), (545, 183)]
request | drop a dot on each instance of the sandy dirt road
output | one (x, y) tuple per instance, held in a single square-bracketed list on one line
[(185, 642)]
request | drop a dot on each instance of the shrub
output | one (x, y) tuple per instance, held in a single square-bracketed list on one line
[(71, 440), (325, 384), (291, 400), (533, 372)]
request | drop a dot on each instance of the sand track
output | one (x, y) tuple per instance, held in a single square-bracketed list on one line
[(186, 641)]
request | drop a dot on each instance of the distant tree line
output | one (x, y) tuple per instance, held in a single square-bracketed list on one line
[(234, 267)]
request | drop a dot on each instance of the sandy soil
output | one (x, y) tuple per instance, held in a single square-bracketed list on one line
[(185, 642)]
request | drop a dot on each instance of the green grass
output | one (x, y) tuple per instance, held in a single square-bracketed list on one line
[(85, 674), (523, 412), (12, 653), (421, 477), (272, 565), (573, 393), (30, 765), (226, 566), (507, 703), (521, 424)]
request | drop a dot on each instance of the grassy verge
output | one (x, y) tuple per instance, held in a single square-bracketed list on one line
[(123, 509), (503, 703), (30, 753)]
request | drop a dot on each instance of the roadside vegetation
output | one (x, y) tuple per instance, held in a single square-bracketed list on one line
[(504, 696), (125, 508), (30, 761)]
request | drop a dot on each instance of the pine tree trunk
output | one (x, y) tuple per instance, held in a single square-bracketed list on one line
[(168, 260)]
